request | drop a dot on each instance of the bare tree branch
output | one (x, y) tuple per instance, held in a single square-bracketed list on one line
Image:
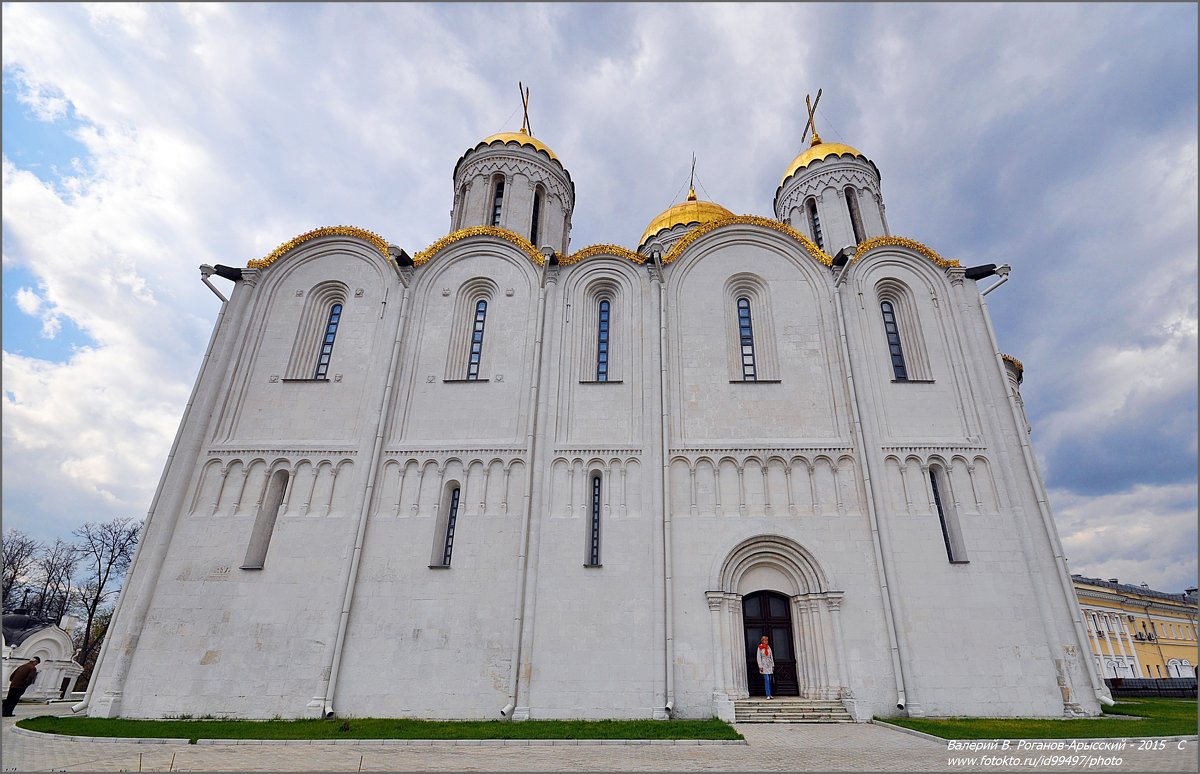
[(106, 550), (20, 553)]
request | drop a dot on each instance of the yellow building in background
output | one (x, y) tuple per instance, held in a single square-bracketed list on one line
[(1136, 631)]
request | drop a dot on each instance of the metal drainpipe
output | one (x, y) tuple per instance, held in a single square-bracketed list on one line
[(527, 506), (138, 553), (876, 538), (352, 576), (1060, 561), (664, 411)]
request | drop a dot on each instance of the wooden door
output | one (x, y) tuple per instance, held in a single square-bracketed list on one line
[(769, 613)]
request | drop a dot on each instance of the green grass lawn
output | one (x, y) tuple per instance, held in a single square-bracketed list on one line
[(1154, 717), (382, 728)]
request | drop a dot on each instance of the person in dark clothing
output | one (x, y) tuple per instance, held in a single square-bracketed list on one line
[(22, 677)]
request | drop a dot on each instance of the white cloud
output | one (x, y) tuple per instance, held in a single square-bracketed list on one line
[(28, 301), (1143, 535)]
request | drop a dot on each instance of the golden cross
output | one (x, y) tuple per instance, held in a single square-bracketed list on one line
[(812, 109), (524, 90)]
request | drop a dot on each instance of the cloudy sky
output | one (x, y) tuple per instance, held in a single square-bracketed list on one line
[(141, 141)]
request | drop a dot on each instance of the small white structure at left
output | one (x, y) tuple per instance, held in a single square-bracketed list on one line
[(25, 637)]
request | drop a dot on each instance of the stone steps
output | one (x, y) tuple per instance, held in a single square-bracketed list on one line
[(790, 711)]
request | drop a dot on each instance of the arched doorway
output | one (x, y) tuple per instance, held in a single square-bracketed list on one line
[(769, 613)]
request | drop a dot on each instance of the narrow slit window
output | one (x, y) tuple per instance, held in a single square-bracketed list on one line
[(497, 202), (602, 341), (452, 517), (955, 551), (895, 351), (594, 534), (855, 214), (335, 316), (264, 521), (477, 340), (537, 214), (746, 341), (814, 221)]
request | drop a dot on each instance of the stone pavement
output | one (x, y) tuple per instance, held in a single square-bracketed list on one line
[(771, 747)]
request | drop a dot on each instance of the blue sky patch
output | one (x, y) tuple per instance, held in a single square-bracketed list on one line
[(43, 148), (22, 333)]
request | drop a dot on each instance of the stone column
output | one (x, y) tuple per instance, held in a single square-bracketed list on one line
[(737, 635), (719, 619), (1120, 630), (827, 675), (1097, 653), (1108, 640), (833, 600), (1137, 662)]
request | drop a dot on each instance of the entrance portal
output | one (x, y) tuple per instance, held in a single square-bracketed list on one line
[(769, 613)]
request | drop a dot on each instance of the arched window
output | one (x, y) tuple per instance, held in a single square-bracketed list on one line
[(497, 201), (477, 340), (814, 223), (593, 558), (956, 551), (746, 340), (893, 340), (451, 518), (602, 341), (537, 214), (902, 331), (311, 349), (264, 521), (331, 326), (753, 354), (855, 216)]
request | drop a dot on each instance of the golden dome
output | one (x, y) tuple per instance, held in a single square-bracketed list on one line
[(816, 153), (522, 138), (691, 211)]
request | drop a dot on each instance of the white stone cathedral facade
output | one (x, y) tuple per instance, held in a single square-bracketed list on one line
[(502, 479)]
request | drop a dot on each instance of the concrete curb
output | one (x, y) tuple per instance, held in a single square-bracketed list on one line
[(474, 742), (66, 738), (383, 742), (943, 740)]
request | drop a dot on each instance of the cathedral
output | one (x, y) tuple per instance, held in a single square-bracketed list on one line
[(498, 478)]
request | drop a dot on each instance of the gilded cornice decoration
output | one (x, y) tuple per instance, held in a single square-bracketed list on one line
[(379, 243), (591, 250), (1019, 366), (523, 244), (911, 244), (749, 220)]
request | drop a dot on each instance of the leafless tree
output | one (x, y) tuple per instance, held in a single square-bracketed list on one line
[(20, 553), (53, 568), (106, 550)]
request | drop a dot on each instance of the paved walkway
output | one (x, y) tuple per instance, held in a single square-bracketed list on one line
[(773, 747)]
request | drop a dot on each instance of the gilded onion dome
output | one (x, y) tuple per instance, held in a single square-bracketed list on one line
[(817, 152), (521, 138), (691, 212)]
